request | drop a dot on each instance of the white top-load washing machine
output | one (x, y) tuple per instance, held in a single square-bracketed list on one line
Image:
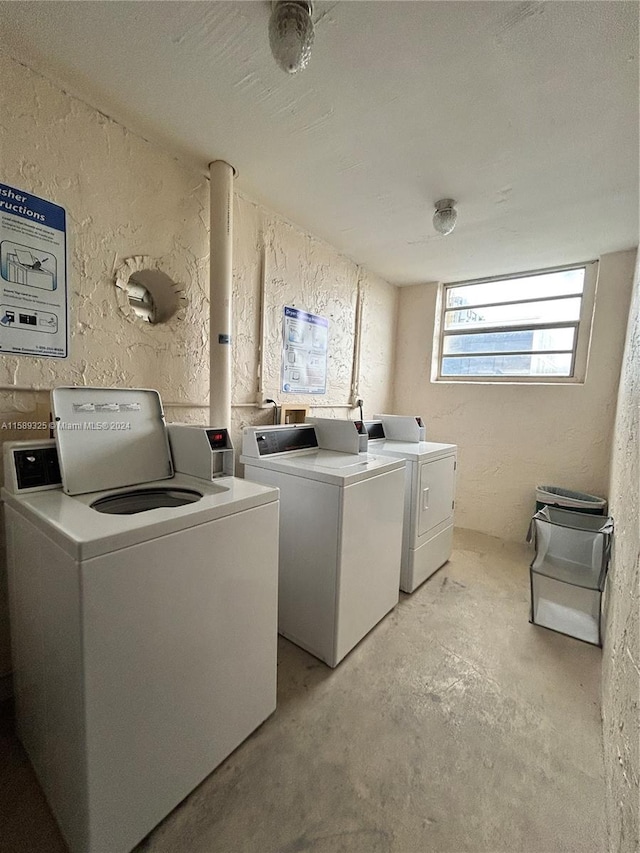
[(144, 620), (429, 493), (340, 531)]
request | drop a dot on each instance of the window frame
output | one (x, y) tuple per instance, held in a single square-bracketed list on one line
[(583, 327)]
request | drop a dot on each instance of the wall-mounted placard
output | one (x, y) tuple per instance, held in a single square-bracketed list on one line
[(33, 275), (304, 352)]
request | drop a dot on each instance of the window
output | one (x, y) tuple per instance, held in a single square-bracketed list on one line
[(533, 327)]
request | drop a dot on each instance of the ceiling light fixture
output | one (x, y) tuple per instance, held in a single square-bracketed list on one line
[(291, 34), (445, 216)]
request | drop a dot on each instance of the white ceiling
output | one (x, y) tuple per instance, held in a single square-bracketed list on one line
[(526, 113)]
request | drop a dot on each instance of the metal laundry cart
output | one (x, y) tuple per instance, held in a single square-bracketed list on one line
[(569, 570)]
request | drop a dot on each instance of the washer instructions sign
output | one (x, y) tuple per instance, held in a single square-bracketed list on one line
[(33, 275), (304, 352)]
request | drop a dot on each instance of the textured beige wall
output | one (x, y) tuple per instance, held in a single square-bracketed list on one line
[(125, 197), (621, 669), (276, 264), (513, 437)]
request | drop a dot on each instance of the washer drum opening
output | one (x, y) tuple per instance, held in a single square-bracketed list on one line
[(129, 503)]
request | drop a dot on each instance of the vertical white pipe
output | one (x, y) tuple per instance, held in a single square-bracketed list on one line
[(220, 291), (261, 353), (357, 342)]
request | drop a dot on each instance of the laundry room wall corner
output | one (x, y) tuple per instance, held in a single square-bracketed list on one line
[(512, 437), (278, 264), (377, 349)]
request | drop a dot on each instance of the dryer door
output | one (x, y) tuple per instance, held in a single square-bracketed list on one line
[(436, 493)]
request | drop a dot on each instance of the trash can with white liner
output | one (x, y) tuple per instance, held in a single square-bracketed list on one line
[(556, 496), (569, 571)]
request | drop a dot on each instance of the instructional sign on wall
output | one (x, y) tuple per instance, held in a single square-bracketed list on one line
[(304, 352), (33, 275)]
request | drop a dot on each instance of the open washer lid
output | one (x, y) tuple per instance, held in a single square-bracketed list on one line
[(108, 438)]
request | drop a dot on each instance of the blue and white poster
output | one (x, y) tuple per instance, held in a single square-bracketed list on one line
[(304, 352), (33, 275)]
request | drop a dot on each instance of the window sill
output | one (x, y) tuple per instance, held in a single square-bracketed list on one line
[(492, 380)]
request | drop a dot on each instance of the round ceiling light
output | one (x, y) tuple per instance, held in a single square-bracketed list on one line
[(445, 216), (291, 34)]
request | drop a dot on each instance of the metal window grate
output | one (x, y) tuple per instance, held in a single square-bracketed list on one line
[(527, 327)]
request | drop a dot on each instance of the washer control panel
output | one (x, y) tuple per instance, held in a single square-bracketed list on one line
[(374, 429), (279, 440), (203, 452), (31, 466)]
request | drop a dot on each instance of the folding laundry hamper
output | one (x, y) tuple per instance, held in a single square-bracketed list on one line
[(569, 571)]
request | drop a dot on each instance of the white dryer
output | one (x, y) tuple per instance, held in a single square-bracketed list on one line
[(144, 621), (340, 531), (429, 502)]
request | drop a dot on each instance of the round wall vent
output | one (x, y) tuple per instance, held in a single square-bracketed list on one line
[(152, 296)]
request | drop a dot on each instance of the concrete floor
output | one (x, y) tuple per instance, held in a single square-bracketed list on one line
[(454, 726)]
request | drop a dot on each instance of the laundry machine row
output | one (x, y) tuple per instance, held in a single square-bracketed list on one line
[(143, 605), (353, 530), (144, 585)]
